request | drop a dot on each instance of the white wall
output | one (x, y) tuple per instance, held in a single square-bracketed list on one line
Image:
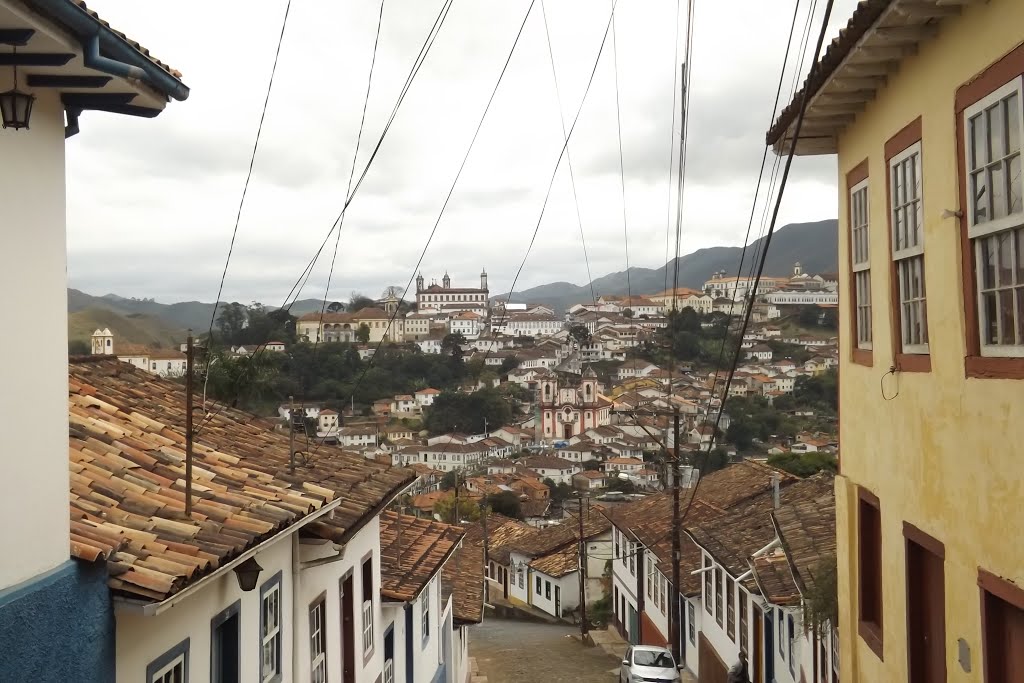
[(140, 639), (599, 549), (569, 595), (692, 658), (33, 370)]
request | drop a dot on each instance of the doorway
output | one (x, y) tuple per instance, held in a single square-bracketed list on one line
[(225, 651), (558, 602), (926, 609), (758, 645), (348, 631)]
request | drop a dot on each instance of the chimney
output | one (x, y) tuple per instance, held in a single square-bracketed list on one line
[(775, 490)]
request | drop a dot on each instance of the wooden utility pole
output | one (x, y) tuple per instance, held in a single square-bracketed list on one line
[(189, 356), (674, 602), (584, 626), (487, 584), (291, 434)]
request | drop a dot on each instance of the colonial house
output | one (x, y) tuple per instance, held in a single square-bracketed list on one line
[(425, 398), (163, 362), (403, 403), (589, 480), (263, 552), (327, 422), (358, 436), (628, 465), (527, 325), (344, 327), (567, 410), (445, 298), (467, 323), (761, 352), (56, 612), (448, 457), (557, 470)]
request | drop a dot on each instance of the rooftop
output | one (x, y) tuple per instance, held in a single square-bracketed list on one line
[(412, 551)]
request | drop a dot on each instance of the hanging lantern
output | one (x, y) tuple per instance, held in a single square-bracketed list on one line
[(15, 105)]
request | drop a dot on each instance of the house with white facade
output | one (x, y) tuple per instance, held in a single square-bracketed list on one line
[(50, 602), (445, 298), (527, 325), (557, 470), (761, 352), (425, 398), (629, 465), (327, 422), (467, 323), (358, 435)]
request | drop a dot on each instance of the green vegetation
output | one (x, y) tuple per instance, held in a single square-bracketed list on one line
[(238, 325), (558, 492), (804, 465), (453, 411), (505, 503), (468, 510), (128, 328), (821, 598)]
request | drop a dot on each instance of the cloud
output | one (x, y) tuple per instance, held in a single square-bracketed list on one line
[(152, 203)]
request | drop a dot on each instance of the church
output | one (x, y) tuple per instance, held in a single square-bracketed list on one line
[(566, 411), (443, 298)]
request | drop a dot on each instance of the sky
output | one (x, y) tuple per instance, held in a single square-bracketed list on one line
[(152, 203)]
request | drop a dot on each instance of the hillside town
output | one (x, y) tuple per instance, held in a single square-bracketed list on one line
[(448, 484)]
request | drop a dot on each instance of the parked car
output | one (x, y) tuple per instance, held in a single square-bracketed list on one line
[(648, 663)]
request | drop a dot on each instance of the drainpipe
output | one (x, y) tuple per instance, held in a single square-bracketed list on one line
[(94, 60), (297, 608), (71, 127)]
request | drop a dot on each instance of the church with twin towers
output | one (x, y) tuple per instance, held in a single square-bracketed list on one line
[(443, 298)]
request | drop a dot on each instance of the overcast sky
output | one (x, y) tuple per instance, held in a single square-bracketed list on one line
[(151, 203)]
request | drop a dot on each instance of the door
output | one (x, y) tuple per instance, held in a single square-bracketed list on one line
[(558, 601), (711, 667), (926, 615), (1004, 639), (769, 646), (348, 632), (634, 626), (224, 656), (758, 654)]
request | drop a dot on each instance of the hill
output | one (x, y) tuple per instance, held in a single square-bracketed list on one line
[(133, 328), (814, 245)]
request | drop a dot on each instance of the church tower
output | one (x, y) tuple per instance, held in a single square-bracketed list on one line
[(483, 279), (102, 342), (446, 281), (419, 283)]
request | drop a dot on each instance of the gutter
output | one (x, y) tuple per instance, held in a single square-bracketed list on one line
[(93, 35), (152, 609)]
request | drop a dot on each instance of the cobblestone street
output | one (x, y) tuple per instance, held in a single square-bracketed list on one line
[(509, 651)]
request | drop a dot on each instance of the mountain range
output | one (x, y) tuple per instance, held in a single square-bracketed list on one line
[(144, 321), (814, 245)]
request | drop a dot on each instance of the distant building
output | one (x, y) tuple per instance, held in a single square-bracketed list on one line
[(444, 297), (566, 411)]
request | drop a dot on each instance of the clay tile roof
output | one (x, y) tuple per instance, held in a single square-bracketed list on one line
[(807, 527), (775, 580), (558, 563), (547, 462), (327, 318), (412, 551), (462, 578), (127, 464)]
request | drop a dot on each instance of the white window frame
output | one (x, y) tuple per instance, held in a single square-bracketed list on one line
[(691, 614), (389, 671), (165, 674), (318, 641), (906, 255), (270, 605), (425, 613), (978, 232), (367, 626), (860, 258)]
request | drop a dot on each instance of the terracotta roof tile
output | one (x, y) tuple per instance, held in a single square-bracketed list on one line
[(462, 578), (807, 527), (412, 551), (558, 563), (127, 461)]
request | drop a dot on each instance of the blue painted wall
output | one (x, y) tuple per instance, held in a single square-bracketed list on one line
[(58, 626)]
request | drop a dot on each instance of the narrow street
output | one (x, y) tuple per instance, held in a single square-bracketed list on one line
[(509, 651)]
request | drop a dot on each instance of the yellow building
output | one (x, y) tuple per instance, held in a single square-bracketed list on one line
[(922, 101)]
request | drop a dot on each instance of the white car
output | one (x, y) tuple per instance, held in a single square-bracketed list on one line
[(648, 663)]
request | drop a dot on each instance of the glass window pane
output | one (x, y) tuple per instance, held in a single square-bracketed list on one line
[(988, 325), (1018, 241), (1013, 122), (979, 197), (997, 181), (1006, 321), (995, 125), (1005, 241), (1019, 293), (977, 152), (1015, 184), (988, 263)]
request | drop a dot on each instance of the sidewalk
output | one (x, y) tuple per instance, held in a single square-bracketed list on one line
[(611, 642), (517, 610)]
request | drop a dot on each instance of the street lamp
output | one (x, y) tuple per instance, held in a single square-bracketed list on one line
[(15, 105), (248, 573)]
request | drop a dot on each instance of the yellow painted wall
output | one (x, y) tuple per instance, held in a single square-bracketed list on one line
[(946, 454)]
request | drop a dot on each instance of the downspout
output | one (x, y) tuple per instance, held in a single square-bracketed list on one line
[(297, 609), (94, 60), (71, 127)]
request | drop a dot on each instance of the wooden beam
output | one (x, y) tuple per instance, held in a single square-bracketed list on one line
[(909, 34), (827, 108), (858, 83), (16, 36), (58, 81), (857, 69), (34, 59), (846, 97), (90, 100), (925, 10), (868, 53)]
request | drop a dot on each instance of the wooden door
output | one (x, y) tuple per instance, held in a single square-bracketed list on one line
[(711, 668), (926, 615), (1003, 640), (348, 632), (758, 654)]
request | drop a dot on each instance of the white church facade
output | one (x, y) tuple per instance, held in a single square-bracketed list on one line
[(566, 411)]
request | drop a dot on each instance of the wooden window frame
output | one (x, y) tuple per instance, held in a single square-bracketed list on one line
[(318, 635), (872, 632), (367, 597), (858, 175), (709, 583), (992, 78), (899, 143), (997, 587)]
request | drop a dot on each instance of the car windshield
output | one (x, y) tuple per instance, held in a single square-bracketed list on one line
[(661, 660)]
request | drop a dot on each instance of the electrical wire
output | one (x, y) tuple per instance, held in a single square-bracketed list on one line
[(568, 156), (671, 146), (622, 181), (248, 178), (451, 191), (296, 288), (815, 65)]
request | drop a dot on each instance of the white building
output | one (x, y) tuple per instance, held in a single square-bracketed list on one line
[(527, 325), (445, 298), (163, 362), (425, 398), (566, 411), (557, 470), (467, 323), (327, 422), (356, 436), (345, 327), (802, 298)]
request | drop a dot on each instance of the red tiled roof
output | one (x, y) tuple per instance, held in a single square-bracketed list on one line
[(127, 464), (412, 551)]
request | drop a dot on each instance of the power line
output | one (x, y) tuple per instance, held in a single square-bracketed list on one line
[(671, 146), (815, 65), (296, 288), (248, 174), (568, 156), (451, 191)]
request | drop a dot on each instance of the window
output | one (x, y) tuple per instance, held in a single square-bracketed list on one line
[(730, 607), (835, 655), (632, 558), (170, 667), (861, 263), (908, 248), (781, 620), (650, 580), (993, 129), (1002, 622), (743, 620), (869, 542), (522, 577), (707, 584), (719, 589), (270, 629), (791, 643), (547, 590), (425, 611), (318, 642), (691, 617), (663, 584), (537, 589), (367, 584)]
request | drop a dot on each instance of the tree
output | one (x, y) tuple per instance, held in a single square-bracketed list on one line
[(467, 511), (457, 411), (392, 291), (508, 365), (627, 313), (363, 333), (449, 480), (623, 485), (711, 462), (79, 347), (358, 302), (580, 333), (505, 503), (820, 391), (231, 322), (804, 465), (809, 316), (335, 307), (558, 492), (451, 346)]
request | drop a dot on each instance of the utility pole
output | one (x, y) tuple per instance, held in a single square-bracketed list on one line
[(584, 626), (487, 584), (674, 603), (291, 435), (189, 356)]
